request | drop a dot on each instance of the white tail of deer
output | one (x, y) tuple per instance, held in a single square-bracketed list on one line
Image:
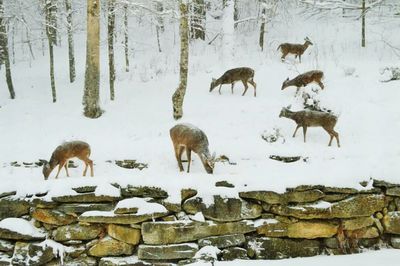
[(66, 151), (190, 138)]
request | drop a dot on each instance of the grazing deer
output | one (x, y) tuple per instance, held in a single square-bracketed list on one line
[(309, 118), (304, 79), (190, 138), (66, 151), (294, 48), (245, 74)]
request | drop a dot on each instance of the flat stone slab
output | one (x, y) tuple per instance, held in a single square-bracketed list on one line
[(76, 232), (125, 234), (223, 241), (13, 208), (110, 247), (85, 198), (391, 222), (19, 229), (186, 231), (167, 252), (292, 196), (111, 218), (393, 191), (126, 261), (357, 206), (223, 209), (53, 217), (144, 192), (79, 208)]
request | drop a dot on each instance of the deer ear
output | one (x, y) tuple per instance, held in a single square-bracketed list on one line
[(213, 156), (287, 79), (213, 79), (288, 107)]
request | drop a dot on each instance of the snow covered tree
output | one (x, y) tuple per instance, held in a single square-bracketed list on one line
[(178, 96), (71, 55), (126, 37), (4, 55), (197, 20), (228, 30), (91, 94), (110, 34), (51, 32)]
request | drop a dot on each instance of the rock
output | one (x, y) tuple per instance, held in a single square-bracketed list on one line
[(269, 197), (187, 193), (224, 184), (167, 252), (31, 254), (125, 234), (357, 206), (186, 231), (369, 243), (335, 197), (223, 209), (110, 247), (81, 208), (53, 217), (13, 208), (126, 210), (277, 248), (223, 241), (85, 198), (126, 261), (357, 223), (331, 243), (395, 242), (369, 232), (5, 259), (85, 189), (43, 204), (397, 203), (393, 191), (303, 196), (273, 228), (111, 218), (144, 192), (6, 194), (19, 229), (234, 253), (383, 184), (6, 246), (312, 230), (340, 190), (391, 222), (82, 260), (77, 232), (286, 159)]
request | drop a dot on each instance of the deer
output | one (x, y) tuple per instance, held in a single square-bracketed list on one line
[(245, 74), (304, 79), (63, 153), (308, 118), (294, 48), (190, 138)]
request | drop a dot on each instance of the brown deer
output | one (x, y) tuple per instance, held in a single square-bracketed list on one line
[(308, 118), (66, 151), (304, 79), (190, 138), (245, 74), (294, 48)]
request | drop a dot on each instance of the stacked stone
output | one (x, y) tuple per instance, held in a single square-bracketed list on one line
[(88, 229)]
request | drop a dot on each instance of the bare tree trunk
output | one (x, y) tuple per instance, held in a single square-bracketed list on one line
[(4, 55), (111, 26), (91, 94), (126, 39), (236, 13), (51, 18), (363, 24), (177, 98), (263, 22), (71, 55)]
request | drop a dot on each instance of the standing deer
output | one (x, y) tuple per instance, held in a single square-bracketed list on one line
[(309, 118), (304, 79), (190, 138), (245, 74), (294, 48), (66, 151)]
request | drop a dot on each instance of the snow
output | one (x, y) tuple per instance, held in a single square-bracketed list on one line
[(199, 217), (207, 252), (370, 258), (59, 250), (20, 226), (107, 190), (143, 206)]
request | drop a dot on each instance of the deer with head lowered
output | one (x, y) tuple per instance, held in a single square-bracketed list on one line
[(66, 151), (308, 118), (304, 79), (244, 74), (294, 48), (190, 138)]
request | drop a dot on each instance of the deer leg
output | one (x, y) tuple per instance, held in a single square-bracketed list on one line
[(337, 137), (283, 56), (294, 134), (219, 90), (304, 133), (86, 167), (245, 87), (251, 81), (233, 83), (321, 84), (60, 166), (189, 158), (91, 167), (178, 153), (66, 168)]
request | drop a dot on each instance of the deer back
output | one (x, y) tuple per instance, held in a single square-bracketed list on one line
[(69, 150), (191, 137), (314, 119), (232, 75)]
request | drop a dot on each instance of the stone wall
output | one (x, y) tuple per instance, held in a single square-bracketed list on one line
[(91, 229)]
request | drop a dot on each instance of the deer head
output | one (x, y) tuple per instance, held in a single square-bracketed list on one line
[(308, 41), (46, 169), (284, 111), (209, 162), (213, 85), (285, 84)]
